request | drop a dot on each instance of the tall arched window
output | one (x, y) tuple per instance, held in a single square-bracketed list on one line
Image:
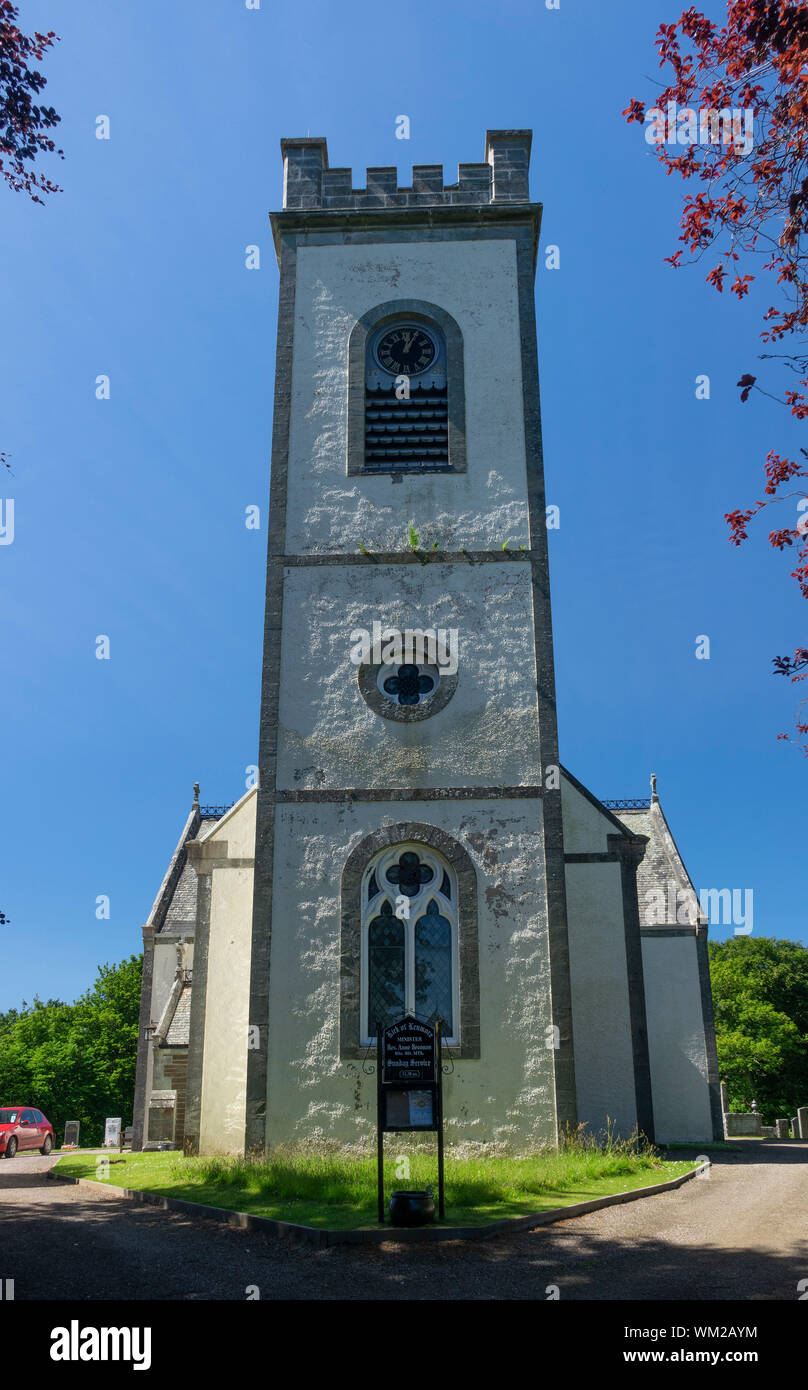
[(409, 940)]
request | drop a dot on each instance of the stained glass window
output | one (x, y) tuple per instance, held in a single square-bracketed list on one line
[(433, 968), (386, 969), (409, 951), (409, 874)]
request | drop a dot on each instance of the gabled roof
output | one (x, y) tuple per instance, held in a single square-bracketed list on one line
[(662, 869), (174, 908), (661, 873)]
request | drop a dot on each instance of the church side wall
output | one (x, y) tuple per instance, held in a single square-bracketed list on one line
[(676, 1038), (224, 1071), (601, 1018), (508, 1094), (226, 1014)]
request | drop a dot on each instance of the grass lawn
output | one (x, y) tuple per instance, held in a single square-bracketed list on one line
[(338, 1190)]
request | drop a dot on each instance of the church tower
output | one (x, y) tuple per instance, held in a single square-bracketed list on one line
[(408, 851), (413, 845)]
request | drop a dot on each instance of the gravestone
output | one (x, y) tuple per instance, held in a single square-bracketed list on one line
[(795, 1127), (782, 1128), (748, 1124), (71, 1139), (112, 1134), (802, 1121)]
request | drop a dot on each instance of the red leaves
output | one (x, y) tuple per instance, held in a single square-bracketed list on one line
[(635, 111), (737, 525), (22, 122), (755, 63), (780, 538), (780, 470), (792, 666), (798, 403), (746, 85)]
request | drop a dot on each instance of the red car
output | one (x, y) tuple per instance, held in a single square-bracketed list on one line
[(23, 1127)]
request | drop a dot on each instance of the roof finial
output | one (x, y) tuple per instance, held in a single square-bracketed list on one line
[(654, 796), (196, 793)]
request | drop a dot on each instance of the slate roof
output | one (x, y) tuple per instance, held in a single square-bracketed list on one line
[(174, 908), (181, 911), (662, 864)]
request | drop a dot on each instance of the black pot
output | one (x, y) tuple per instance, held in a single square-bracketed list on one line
[(411, 1208)]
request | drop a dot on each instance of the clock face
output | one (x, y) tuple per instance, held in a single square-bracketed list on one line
[(405, 350)]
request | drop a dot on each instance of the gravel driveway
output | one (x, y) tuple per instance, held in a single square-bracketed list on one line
[(742, 1233)]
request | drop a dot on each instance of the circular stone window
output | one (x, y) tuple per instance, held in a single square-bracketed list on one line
[(405, 692)]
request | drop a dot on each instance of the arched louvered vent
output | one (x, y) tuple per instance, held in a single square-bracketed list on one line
[(406, 402)]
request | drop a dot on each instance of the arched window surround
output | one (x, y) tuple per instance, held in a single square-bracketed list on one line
[(351, 907), (418, 310), (439, 895)]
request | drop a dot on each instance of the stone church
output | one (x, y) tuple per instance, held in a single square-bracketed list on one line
[(413, 843)]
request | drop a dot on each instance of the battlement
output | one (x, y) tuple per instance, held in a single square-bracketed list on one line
[(502, 177)]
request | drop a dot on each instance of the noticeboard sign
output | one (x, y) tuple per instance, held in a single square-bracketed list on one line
[(409, 1109), (408, 1052)]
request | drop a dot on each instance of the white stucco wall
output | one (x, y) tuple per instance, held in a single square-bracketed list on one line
[(676, 1039), (586, 828), (164, 972), (224, 1071), (508, 1094), (487, 733), (474, 281), (601, 1023)]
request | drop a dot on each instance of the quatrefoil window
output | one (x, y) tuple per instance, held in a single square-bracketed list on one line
[(409, 684), (409, 874)]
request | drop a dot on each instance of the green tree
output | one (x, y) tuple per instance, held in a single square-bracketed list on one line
[(76, 1061), (760, 994)]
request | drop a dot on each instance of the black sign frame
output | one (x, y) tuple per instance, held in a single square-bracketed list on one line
[(408, 1059), (408, 1053)]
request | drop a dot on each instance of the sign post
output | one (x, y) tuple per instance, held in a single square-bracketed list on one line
[(441, 1202), (409, 1090)]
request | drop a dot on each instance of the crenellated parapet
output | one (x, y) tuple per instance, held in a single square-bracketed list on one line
[(502, 177)]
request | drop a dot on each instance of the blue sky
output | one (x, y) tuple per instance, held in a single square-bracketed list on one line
[(130, 512)]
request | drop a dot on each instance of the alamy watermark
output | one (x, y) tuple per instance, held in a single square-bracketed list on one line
[(389, 646), (732, 125), (721, 907)]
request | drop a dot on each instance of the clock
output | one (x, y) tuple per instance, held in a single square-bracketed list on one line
[(405, 350)]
